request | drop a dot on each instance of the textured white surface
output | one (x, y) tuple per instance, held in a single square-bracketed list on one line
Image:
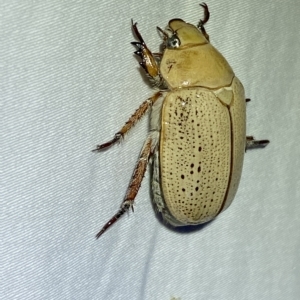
[(69, 80)]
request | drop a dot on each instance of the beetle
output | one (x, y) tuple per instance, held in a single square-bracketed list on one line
[(197, 137)]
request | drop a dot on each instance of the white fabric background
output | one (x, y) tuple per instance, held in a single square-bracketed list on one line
[(69, 80)]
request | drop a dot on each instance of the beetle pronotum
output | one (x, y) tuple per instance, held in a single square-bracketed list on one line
[(197, 135)]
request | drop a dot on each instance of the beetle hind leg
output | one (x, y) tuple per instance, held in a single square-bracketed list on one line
[(251, 143), (135, 182)]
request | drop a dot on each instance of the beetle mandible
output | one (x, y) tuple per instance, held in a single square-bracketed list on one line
[(197, 137)]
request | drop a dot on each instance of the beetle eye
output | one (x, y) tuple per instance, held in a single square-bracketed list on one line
[(173, 42)]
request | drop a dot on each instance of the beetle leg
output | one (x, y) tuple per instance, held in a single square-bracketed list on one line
[(203, 21), (158, 55), (134, 184), (138, 114), (149, 63), (251, 143)]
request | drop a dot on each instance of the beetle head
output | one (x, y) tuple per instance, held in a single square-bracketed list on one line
[(180, 34)]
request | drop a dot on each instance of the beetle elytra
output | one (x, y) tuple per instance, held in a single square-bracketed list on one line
[(197, 137)]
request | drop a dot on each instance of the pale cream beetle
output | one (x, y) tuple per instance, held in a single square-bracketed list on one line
[(197, 132)]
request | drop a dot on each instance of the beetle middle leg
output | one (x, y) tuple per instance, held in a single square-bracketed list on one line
[(135, 182), (138, 114), (251, 143)]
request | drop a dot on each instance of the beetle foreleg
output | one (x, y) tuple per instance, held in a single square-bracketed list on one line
[(134, 184), (138, 114), (149, 63), (204, 21), (251, 143)]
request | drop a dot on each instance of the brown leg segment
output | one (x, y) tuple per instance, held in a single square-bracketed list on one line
[(130, 123), (251, 143), (204, 21), (148, 62), (134, 185)]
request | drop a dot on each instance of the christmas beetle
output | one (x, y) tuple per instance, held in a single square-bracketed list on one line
[(197, 137)]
